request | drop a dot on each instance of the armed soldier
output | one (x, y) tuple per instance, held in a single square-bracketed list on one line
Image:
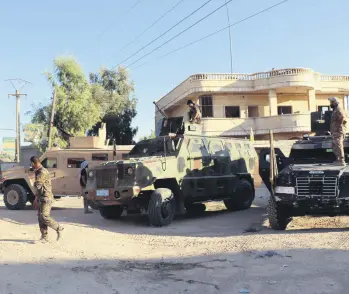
[(43, 200), (338, 130)]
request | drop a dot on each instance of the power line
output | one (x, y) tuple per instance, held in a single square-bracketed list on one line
[(125, 13), (180, 33), (148, 28), (157, 38), (212, 34)]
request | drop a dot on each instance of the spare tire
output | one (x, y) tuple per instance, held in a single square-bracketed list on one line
[(15, 197)]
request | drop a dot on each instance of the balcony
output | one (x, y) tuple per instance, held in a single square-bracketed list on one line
[(288, 123), (262, 81)]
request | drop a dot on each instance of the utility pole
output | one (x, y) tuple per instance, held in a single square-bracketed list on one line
[(51, 120), (18, 120)]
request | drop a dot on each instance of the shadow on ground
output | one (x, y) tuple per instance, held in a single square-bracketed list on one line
[(292, 271)]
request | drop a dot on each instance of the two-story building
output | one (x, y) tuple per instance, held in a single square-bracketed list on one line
[(232, 104)]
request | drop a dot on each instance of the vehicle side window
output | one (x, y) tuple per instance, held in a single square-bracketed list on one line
[(197, 146), (229, 145), (75, 162), (49, 163), (100, 157), (215, 146)]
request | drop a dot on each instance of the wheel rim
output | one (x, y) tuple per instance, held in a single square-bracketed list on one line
[(12, 197)]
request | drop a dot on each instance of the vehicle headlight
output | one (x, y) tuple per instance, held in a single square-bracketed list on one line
[(130, 171), (285, 190), (90, 174)]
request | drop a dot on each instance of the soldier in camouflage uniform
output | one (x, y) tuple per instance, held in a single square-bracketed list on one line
[(43, 200), (194, 112), (338, 130)]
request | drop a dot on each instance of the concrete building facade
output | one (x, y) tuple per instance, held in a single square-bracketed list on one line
[(232, 104)]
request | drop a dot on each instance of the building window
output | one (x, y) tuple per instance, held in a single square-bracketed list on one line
[(284, 110), (232, 111), (253, 111), (323, 109), (75, 162), (100, 157), (206, 106)]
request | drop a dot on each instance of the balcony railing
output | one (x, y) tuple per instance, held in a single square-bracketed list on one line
[(287, 123)]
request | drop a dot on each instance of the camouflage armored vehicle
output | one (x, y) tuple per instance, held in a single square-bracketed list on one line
[(64, 167), (178, 169), (306, 182)]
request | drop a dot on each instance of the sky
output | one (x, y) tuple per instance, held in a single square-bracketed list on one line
[(298, 33)]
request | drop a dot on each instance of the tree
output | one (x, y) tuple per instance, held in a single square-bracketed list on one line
[(114, 92), (76, 110)]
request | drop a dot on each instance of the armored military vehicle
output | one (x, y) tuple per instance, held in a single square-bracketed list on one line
[(64, 167), (307, 182), (180, 169)]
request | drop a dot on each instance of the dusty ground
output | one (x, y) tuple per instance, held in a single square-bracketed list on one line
[(219, 252)]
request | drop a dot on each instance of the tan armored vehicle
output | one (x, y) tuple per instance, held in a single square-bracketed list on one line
[(64, 167), (179, 169)]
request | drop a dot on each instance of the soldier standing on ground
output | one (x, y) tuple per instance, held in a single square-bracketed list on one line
[(194, 113), (83, 182), (338, 130), (43, 200)]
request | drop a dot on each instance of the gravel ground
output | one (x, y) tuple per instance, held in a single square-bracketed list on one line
[(219, 252)]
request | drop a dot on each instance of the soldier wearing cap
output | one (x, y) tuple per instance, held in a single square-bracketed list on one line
[(338, 130)]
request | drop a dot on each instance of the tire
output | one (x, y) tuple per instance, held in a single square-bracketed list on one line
[(277, 215), (242, 198), (161, 207), (111, 212), (15, 197), (195, 208)]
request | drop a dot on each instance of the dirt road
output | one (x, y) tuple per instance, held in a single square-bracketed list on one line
[(219, 252)]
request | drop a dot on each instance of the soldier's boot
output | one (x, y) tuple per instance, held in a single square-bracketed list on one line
[(44, 236), (59, 232), (86, 210)]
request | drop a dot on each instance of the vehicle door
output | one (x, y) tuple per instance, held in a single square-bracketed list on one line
[(198, 161), (220, 174), (70, 182), (264, 164)]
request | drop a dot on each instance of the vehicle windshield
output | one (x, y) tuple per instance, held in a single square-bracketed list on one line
[(318, 155), (155, 147)]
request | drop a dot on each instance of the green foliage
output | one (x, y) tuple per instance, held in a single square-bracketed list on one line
[(114, 92)]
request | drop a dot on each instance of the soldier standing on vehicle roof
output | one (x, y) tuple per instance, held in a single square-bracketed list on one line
[(43, 200), (338, 130), (83, 181), (194, 113)]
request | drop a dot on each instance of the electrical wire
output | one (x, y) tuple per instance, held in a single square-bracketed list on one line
[(125, 13), (212, 34), (157, 38), (148, 28), (180, 33)]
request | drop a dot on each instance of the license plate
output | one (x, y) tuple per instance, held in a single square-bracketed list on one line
[(102, 193)]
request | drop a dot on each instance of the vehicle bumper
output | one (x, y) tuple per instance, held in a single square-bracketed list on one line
[(313, 205), (115, 196)]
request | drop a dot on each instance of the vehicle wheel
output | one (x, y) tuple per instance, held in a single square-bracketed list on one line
[(277, 215), (111, 212), (15, 197), (242, 198), (195, 208), (161, 207)]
